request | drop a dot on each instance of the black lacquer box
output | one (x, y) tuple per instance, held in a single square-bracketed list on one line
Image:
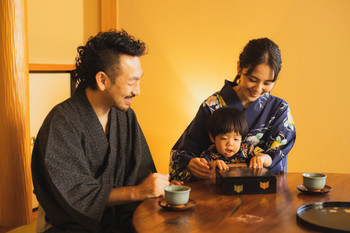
[(245, 180)]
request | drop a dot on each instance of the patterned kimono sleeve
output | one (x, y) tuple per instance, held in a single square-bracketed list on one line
[(209, 154), (189, 146), (281, 139), (248, 151), (177, 172)]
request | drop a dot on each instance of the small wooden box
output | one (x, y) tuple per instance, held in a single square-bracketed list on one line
[(245, 180)]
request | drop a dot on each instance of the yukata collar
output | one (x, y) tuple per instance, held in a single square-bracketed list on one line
[(91, 122), (253, 112), (230, 97)]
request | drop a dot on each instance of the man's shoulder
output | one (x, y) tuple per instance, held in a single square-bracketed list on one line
[(65, 111), (66, 107)]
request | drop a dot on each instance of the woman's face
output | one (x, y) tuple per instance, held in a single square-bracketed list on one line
[(254, 85)]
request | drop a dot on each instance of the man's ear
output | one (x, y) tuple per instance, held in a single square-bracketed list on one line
[(102, 81), (211, 138), (239, 70)]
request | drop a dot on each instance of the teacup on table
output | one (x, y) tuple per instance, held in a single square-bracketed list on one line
[(177, 194), (314, 181)]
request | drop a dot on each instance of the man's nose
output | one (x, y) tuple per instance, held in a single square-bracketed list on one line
[(136, 89)]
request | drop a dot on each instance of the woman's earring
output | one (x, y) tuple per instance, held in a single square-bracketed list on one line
[(238, 79)]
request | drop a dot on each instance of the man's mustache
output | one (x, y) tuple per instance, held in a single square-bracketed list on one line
[(128, 97)]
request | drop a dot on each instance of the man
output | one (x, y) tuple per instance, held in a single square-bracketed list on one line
[(91, 164)]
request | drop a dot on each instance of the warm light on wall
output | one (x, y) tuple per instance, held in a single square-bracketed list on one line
[(193, 52)]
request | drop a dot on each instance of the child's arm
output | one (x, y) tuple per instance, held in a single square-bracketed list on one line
[(260, 160), (218, 164)]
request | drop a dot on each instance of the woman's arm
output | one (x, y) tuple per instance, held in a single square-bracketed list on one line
[(281, 140), (193, 141)]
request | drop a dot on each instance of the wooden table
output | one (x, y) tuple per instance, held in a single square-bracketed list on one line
[(215, 212)]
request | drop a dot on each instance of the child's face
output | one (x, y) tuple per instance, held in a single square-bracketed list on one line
[(227, 144)]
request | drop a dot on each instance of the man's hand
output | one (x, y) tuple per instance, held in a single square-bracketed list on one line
[(200, 168), (153, 186)]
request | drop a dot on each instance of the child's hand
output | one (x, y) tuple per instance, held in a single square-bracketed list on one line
[(260, 160), (218, 164)]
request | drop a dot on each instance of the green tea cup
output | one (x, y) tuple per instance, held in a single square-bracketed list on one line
[(314, 181), (177, 194)]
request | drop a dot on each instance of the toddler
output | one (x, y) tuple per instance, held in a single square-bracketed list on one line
[(227, 127)]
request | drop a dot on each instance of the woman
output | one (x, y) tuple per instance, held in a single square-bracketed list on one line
[(271, 126)]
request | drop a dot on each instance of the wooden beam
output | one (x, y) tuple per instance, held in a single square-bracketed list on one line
[(51, 67), (108, 14), (15, 174)]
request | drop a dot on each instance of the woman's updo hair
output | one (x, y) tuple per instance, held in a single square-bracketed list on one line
[(261, 51)]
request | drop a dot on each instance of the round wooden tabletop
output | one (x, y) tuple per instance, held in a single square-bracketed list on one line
[(215, 212)]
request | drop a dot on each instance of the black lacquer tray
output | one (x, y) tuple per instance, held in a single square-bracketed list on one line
[(326, 216)]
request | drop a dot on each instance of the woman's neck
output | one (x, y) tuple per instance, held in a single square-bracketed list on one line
[(245, 102)]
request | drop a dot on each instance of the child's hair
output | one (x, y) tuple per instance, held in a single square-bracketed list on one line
[(225, 120)]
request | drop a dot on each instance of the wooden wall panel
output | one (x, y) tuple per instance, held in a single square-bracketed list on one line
[(15, 175)]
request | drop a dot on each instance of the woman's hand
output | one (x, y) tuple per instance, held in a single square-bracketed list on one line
[(200, 168), (176, 182), (260, 160), (218, 164)]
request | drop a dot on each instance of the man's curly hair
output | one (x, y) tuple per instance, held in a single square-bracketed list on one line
[(102, 53)]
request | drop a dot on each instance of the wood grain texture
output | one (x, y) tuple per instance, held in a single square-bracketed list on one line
[(15, 175), (108, 14), (215, 212)]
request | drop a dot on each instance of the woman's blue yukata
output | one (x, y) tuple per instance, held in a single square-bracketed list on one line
[(270, 123)]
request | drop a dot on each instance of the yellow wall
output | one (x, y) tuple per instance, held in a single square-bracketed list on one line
[(55, 30), (194, 46)]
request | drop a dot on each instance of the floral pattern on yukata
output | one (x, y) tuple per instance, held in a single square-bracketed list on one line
[(214, 102), (274, 142)]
